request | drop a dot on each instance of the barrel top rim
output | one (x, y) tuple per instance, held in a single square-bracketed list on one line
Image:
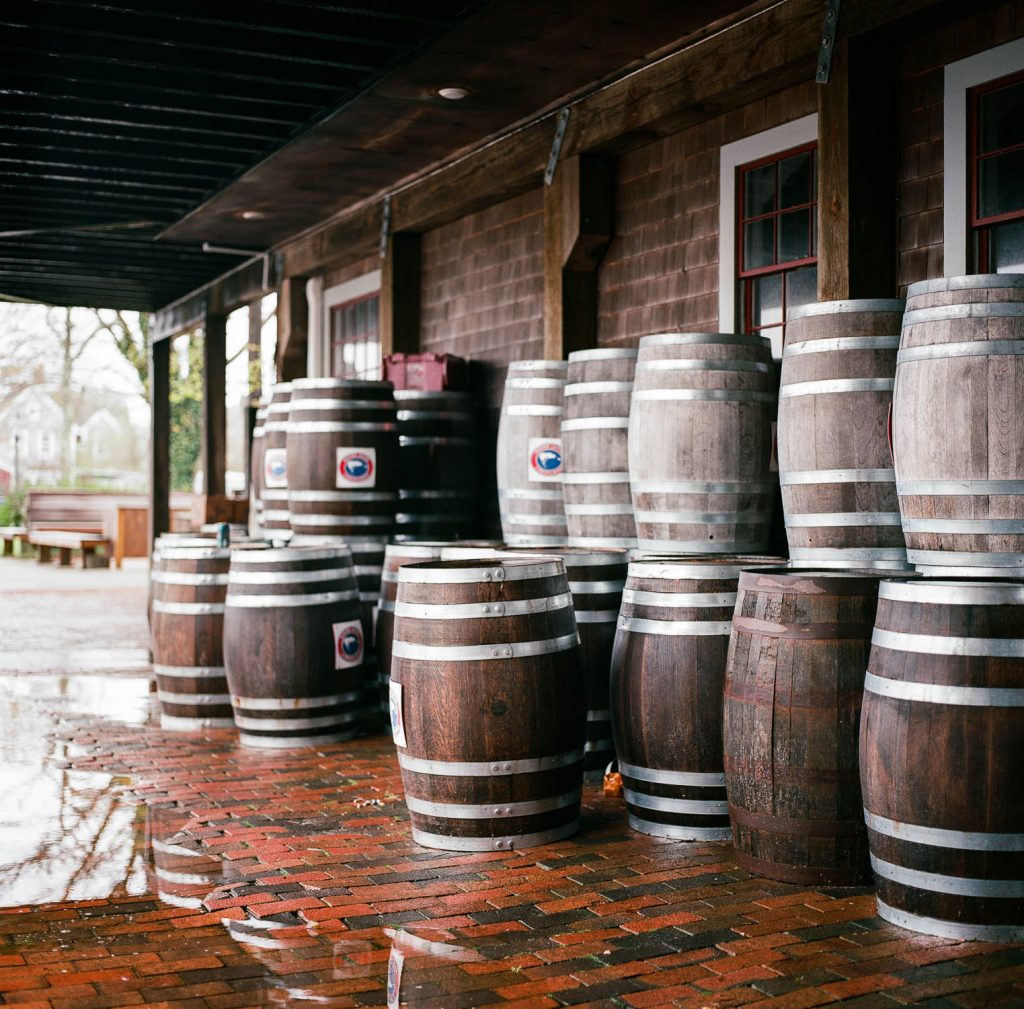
[(463, 394), (477, 569), (303, 384), (195, 552), (940, 590), (594, 555), (969, 282), (683, 337), (537, 364), (799, 580), (846, 306), (281, 555), (681, 567), (604, 354)]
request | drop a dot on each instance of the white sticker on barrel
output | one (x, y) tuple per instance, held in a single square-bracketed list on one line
[(275, 467), (356, 467), (348, 644), (395, 963), (545, 460), (395, 707)]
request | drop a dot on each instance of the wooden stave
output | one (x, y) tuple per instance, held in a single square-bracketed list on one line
[(836, 850), (656, 737), (964, 829), (532, 512), (981, 391), (256, 467), (291, 639), (542, 735), (856, 476), (190, 641), (747, 495), (593, 453), (274, 514)]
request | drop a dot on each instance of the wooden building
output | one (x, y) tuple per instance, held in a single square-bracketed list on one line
[(524, 179)]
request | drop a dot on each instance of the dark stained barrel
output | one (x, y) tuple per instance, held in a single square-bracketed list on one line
[(793, 689), (342, 458), (838, 485), (294, 645), (598, 506), (256, 469), (438, 465), (275, 518), (189, 585), (530, 454), (667, 677), (956, 428), (596, 579), (700, 443), (488, 705), (942, 735)]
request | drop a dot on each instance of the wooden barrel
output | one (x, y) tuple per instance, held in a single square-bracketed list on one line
[(342, 458), (274, 481), (294, 645), (256, 470), (838, 485), (700, 440), (793, 687), (530, 454), (667, 677), (438, 462), (468, 549), (596, 580), (598, 506), (956, 429), (487, 702), (189, 584), (368, 567), (941, 740)]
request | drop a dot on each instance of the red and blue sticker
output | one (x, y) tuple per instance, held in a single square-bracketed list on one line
[(545, 459), (356, 467), (275, 467), (348, 644)]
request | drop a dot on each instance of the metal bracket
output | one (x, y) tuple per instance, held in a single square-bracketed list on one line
[(556, 146), (385, 227), (828, 41)]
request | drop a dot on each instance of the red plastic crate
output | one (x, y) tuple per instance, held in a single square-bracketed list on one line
[(426, 372)]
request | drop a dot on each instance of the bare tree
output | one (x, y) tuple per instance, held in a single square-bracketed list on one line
[(130, 337)]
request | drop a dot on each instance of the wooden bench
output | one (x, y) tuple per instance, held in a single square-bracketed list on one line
[(10, 535), (66, 542)]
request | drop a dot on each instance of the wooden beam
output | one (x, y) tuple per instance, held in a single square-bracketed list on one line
[(858, 130), (159, 438), (214, 452), (578, 225), (400, 281), (292, 329)]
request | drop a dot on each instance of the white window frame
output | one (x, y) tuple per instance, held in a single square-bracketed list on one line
[(742, 152), (958, 79), (321, 302)]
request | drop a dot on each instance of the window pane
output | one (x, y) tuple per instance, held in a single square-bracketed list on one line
[(801, 286), (758, 244), (759, 191), (1007, 255), (795, 180), (765, 301), (1001, 184), (1002, 118), (794, 235)]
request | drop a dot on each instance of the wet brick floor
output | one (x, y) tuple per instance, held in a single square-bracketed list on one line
[(289, 878)]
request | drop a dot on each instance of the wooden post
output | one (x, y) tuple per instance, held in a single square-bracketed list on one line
[(292, 329), (578, 228), (254, 347), (159, 438), (214, 453), (400, 281), (857, 171)]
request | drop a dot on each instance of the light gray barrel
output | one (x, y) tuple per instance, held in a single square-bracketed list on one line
[(958, 425), (256, 470), (530, 454), (275, 517), (294, 645), (598, 506), (838, 485), (700, 439)]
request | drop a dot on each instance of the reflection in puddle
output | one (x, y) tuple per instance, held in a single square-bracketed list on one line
[(182, 874), (64, 834), (29, 659)]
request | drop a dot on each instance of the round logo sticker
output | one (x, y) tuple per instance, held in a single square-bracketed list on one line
[(350, 644), (276, 468), (546, 458), (356, 467)]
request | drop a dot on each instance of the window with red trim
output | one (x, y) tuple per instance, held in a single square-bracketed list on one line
[(355, 338), (997, 174), (777, 240)]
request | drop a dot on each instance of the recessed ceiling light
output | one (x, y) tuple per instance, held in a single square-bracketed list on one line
[(453, 93), (251, 215)]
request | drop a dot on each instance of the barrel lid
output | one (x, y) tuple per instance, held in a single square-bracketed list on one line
[(684, 339), (575, 556), (289, 554), (306, 384), (483, 570), (951, 591), (813, 581), (844, 307), (603, 354), (675, 566), (973, 281), (194, 552), (537, 365), (429, 395)]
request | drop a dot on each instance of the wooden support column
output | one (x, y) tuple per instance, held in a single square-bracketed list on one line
[(400, 294), (578, 226), (858, 147), (254, 362), (292, 329), (159, 438), (214, 451)]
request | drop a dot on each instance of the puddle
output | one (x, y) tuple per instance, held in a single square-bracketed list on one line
[(32, 659), (65, 834)]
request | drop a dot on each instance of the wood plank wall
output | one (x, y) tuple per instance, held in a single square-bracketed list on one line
[(661, 271)]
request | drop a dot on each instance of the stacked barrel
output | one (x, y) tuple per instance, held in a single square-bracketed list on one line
[(274, 519)]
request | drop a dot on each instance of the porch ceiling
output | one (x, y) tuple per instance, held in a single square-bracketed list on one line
[(130, 132)]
